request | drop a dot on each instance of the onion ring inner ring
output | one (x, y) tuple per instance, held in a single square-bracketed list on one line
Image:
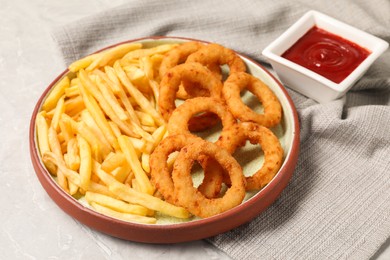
[(179, 120), (179, 55), (235, 83), (188, 196), (236, 136), (195, 73), (161, 176)]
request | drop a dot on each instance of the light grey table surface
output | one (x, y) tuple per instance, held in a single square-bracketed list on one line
[(32, 225)]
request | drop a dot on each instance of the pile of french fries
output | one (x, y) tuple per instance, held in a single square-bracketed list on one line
[(98, 126)]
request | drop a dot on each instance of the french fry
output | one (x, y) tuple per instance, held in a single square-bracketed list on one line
[(98, 116), (82, 129), (145, 162), (66, 129), (42, 130), (72, 176), (145, 118), (137, 54), (112, 161), (85, 170), (122, 172), (113, 82), (83, 63), (56, 93), (132, 159), (96, 94), (113, 54), (59, 109), (123, 216), (56, 148), (74, 105), (111, 99), (115, 204), (86, 117), (157, 135), (72, 91), (131, 196), (138, 96), (72, 158)]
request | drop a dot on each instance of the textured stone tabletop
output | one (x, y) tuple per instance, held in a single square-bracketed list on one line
[(32, 225)]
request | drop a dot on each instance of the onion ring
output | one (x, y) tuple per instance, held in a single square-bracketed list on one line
[(161, 176), (235, 83), (188, 196), (195, 73), (213, 53), (236, 136), (178, 55), (179, 120)]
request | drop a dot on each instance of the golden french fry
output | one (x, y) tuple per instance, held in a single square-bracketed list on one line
[(134, 197), (42, 133), (56, 148), (145, 118), (132, 159), (87, 118), (137, 54), (106, 108), (111, 99), (83, 130), (72, 176), (42, 130), (59, 109), (66, 130), (74, 105), (55, 94), (72, 91), (157, 135), (112, 161), (122, 172), (100, 188), (113, 54), (98, 116), (138, 96), (145, 162), (72, 158), (123, 216), (115, 204), (85, 170), (113, 82), (84, 62)]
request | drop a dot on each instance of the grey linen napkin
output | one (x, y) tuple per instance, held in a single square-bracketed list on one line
[(337, 205)]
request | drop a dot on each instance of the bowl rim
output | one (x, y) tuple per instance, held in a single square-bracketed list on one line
[(192, 230), (378, 47)]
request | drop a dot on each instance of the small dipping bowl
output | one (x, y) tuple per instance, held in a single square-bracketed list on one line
[(308, 82)]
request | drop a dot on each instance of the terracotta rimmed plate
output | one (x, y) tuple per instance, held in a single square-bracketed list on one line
[(195, 229)]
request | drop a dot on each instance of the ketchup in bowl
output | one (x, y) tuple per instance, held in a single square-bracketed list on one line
[(326, 54)]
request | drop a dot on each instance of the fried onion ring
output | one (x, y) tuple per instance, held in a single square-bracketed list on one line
[(213, 53), (238, 134), (194, 73), (188, 196), (235, 83), (161, 176), (179, 120), (179, 55)]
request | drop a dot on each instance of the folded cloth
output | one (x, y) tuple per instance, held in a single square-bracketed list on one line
[(337, 204)]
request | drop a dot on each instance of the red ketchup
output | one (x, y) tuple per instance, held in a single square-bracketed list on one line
[(326, 54)]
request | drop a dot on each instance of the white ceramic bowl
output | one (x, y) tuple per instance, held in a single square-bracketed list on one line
[(308, 82)]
